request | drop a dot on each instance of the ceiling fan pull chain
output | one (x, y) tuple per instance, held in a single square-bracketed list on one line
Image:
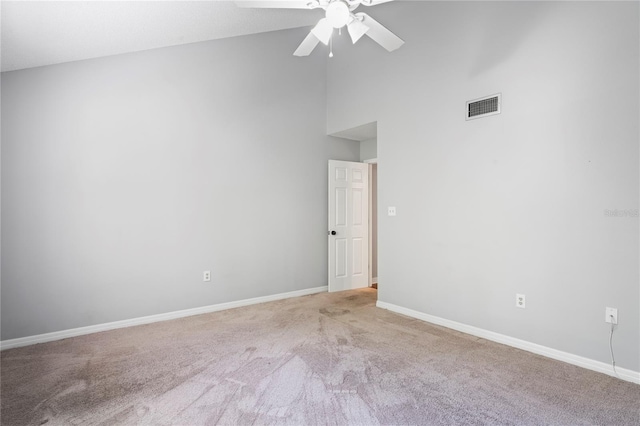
[(331, 47)]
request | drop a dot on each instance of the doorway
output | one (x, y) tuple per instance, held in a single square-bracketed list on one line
[(366, 135)]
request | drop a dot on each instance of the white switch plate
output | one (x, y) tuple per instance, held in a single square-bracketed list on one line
[(391, 211), (608, 313), (520, 301), (206, 276)]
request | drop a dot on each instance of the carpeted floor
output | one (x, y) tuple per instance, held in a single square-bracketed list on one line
[(322, 359)]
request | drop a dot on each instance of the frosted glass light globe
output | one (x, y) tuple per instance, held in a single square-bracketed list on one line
[(337, 14)]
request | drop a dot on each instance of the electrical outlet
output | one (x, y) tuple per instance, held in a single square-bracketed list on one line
[(611, 315), (520, 301), (391, 211), (206, 276)]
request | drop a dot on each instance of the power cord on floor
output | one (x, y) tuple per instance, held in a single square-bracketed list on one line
[(613, 359)]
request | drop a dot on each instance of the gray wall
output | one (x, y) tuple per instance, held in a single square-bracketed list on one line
[(368, 149), (124, 178), (512, 203)]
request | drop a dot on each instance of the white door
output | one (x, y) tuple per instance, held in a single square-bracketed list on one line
[(348, 225)]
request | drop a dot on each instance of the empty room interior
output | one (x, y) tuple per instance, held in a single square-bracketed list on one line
[(432, 218)]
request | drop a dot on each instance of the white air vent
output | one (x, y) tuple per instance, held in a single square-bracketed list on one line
[(483, 107)]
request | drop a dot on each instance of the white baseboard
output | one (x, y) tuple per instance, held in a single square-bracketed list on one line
[(374, 280), (58, 335), (601, 367)]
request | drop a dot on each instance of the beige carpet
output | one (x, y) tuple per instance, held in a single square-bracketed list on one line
[(321, 359)]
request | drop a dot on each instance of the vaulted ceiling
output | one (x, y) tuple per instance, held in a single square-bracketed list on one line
[(37, 33)]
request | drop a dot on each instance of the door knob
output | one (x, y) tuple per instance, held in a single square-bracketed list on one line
[(333, 232)]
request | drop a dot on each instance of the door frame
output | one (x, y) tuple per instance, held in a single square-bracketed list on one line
[(371, 162)]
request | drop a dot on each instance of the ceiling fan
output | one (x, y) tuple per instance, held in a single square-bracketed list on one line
[(338, 14)]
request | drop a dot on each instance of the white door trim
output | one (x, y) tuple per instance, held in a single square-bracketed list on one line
[(370, 219)]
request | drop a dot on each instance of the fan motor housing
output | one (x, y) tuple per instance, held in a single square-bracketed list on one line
[(338, 14)]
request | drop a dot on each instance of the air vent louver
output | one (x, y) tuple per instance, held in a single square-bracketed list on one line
[(484, 107)]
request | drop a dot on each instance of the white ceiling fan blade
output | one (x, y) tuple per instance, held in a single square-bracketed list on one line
[(323, 31), (373, 2), (278, 4), (308, 44), (356, 30), (380, 34)]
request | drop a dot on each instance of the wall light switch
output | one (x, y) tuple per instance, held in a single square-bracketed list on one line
[(391, 211)]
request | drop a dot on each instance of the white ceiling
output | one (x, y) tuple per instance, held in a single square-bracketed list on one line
[(37, 33)]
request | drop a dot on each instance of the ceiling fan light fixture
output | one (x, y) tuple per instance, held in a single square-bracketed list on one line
[(338, 14), (356, 30), (323, 31)]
